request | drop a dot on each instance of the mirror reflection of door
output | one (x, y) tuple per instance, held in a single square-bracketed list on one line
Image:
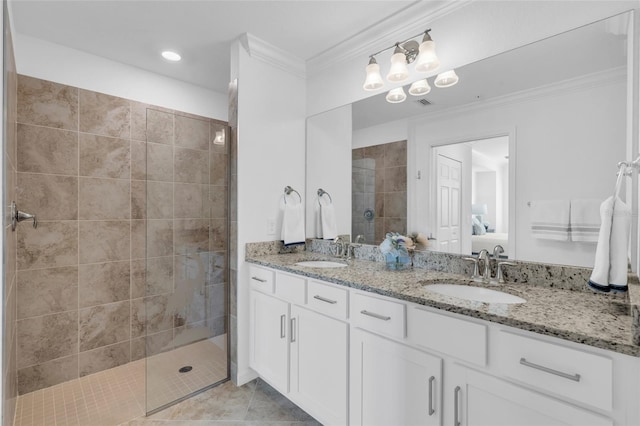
[(472, 195), (448, 189)]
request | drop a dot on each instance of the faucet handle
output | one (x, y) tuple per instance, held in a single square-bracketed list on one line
[(476, 270), (500, 273)]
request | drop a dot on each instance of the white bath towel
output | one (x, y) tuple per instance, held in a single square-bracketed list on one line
[(328, 221), (610, 266), (585, 220), (318, 221), (550, 219), (293, 224)]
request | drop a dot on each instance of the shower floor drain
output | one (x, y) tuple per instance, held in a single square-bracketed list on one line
[(185, 369)]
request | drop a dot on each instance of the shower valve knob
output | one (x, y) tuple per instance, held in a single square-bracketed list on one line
[(18, 216)]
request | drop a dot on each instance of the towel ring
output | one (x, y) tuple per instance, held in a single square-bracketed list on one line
[(322, 192), (288, 190)]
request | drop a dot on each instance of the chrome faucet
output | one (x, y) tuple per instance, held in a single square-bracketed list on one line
[(500, 272), (483, 257), (342, 246), (497, 251)]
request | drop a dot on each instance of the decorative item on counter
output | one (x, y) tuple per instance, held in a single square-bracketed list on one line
[(419, 240), (397, 250)]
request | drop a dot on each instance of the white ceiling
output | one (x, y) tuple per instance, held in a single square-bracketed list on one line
[(135, 31)]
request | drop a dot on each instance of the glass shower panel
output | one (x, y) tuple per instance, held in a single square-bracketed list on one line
[(186, 268)]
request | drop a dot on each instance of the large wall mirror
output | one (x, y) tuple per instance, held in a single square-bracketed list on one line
[(546, 121)]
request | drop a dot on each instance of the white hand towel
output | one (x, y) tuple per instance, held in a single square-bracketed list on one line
[(328, 220), (318, 222), (550, 219), (293, 224), (610, 266), (585, 220)]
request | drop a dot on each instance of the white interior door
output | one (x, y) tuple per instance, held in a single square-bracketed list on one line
[(448, 187)]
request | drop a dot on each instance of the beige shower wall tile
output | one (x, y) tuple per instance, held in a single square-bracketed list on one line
[(395, 154), (48, 337), (104, 199), (102, 114), (139, 119), (395, 204), (159, 200), (104, 358), (138, 199), (104, 325), (45, 103), (52, 244), (138, 160), (102, 156), (104, 241), (191, 200), (192, 133), (191, 166), (218, 169), (47, 150), (138, 239), (160, 127), (151, 344), (395, 179), (159, 162), (101, 283), (47, 374), (218, 202), (49, 197), (191, 236), (151, 315), (47, 291), (218, 235), (156, 277), (159, 238)]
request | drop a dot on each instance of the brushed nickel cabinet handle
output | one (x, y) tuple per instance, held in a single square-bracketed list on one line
[(293, 330), (431, 409), (323, 299), (456, 406), (574, 377), (259, 279), (282, 321), (374, 315)]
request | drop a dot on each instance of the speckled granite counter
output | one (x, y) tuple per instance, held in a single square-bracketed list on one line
[(593, 319)]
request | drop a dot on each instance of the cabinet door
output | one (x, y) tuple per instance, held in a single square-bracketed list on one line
[(483, 400), (392, 384), (269, 339), (319, 360)]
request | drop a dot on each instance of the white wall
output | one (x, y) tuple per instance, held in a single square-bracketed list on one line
[(271, 155), (484, 188), (475, 31), (567, 145), (384, 133), (329, 167), (48, 61)]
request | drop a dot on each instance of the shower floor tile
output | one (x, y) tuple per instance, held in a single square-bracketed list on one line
[(117, 396)]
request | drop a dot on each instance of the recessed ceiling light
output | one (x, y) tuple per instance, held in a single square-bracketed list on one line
[(170, 55)]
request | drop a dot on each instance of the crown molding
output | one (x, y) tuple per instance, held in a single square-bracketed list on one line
[(588, 81), (412, 19), (273, 55)]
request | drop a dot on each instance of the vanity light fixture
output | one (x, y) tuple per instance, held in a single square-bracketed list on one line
[(170, 55), (404, 53), (420, 87), (446, 79), (397, 95)]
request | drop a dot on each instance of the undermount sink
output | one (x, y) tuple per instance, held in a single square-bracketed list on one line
[(476, 294), (321, 264)]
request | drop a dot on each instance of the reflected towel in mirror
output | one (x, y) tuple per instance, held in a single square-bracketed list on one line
[(550, 219), (585, 220), (328, 221)]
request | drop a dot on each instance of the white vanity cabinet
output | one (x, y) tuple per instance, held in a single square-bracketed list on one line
[(476, 399), (300, 349), (393, 384)]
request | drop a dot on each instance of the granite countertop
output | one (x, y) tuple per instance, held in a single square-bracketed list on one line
[(583, 317)]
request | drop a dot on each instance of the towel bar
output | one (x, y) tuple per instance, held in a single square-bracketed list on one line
[(288, 190), (322, 192)]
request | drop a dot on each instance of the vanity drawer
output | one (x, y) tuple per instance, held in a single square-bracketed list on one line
[(261, 279), (291, 288), (378, 315), (465, 340), (582, 376), (327, 299)]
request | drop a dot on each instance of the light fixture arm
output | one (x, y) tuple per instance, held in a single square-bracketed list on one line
[(400, 43)]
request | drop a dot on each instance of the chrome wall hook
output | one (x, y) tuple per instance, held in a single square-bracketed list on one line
[(18, 216)]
